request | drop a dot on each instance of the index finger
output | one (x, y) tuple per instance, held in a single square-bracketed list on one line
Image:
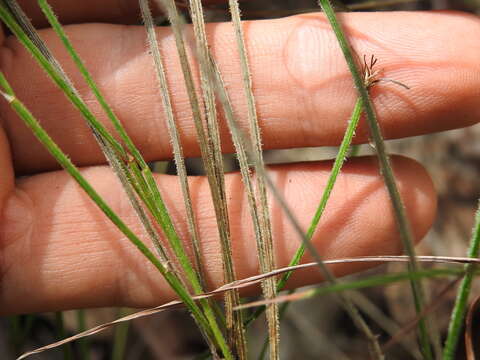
[(303, 90), (74, 11)]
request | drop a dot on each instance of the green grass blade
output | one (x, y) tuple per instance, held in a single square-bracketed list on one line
[(57, 27), (461, 303), (60, 329), (151, 195), (132, 150), (386, 170), (328, 275), (19, 331), (65, 162), (179, 160), (113, 151), (372, 281), (387, 279), (212, 160), (26, 33), (115, 161), (174, 135), (120, 337), (15, 333), (83, 344), (30, 31), (337, 166), (157, 206), (57, 76)]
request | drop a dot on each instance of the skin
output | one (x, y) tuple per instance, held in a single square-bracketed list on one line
[(57, 251)]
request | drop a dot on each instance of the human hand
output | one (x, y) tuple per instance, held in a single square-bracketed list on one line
[(56, 246)]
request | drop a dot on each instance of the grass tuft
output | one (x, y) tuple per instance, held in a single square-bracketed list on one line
[(224, 329)]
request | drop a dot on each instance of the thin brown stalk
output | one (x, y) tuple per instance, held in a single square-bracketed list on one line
[(324, 270), (124, 163), (234, 319), (223, 97), (264, 232), (174, 135), (211, 155), (433, 306), (254, 280), (177, 149), (127, 181)]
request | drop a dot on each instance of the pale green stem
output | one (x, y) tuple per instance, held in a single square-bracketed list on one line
[(461, 303), (386, 170)]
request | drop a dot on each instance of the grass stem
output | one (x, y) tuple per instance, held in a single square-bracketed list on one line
[(84, 344), (120, 337), (258, 201), (31, 122), (60, 329), (386, 170), (461, 303)]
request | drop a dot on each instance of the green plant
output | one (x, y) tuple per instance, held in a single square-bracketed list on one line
[(225, 332)]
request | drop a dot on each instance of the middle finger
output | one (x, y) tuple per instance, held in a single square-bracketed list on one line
[(303, 89)]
